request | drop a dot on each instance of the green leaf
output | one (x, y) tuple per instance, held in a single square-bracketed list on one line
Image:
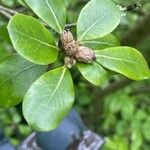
[(146, 128), (101, 43), (53, 12), (32, 40), (22, 2), (8, 3), (125, 60), (4, 33), (16, 76), (3, 53), (97, 19), (136, 140), (93, 72), (116, 143), (49, 100)]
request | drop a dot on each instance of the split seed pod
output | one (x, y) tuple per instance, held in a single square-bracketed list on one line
[(68, 43), (85, 54), (74, 50)]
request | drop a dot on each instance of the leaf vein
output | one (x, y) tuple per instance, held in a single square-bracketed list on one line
[(16, 74), (55, 17), (120, 59), (93, 25), (35, 39)]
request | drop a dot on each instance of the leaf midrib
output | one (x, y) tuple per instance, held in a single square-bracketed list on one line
[(81, 37), (120, 59), (97, 42), (17, 74), (59, 82), (57, 86), (35, 39), (55, 17)]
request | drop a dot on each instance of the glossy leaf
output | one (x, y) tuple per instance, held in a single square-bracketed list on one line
[(32, 40), (16, 76), (22, 2), (49, 100), (53, 12), (101, 43), (93, 72), (97, 19), (125, 60)]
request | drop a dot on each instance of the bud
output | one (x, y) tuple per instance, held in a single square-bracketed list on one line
[(85, 54)]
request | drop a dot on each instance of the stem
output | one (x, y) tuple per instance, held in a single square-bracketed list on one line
[(132, 6), (5, 9), (70, 25), (138, 32), (67, 26), (21, 9), (141, 90), (4, 13), (100, 94)]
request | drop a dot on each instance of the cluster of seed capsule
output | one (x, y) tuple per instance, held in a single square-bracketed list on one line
[(74, 51)]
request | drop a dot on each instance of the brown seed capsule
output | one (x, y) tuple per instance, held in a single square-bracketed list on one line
[(74, 51), (71, 48), (85, 54), (66, 37), (69, 44)]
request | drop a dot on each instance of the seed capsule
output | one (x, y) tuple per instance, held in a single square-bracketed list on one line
[(85, 54), (71, 48), (74, 51), (69, 44), (66, 37)]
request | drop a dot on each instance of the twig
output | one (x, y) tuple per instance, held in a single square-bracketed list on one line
[(138, 12), (70, 25), (67, 26), (138, 32), (132, 6), (4, 13), (21, 9), (7, 13), (13, 12), (114, 87), (141, 90), (99, 95)]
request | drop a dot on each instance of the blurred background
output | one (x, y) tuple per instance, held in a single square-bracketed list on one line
[(119, 110)]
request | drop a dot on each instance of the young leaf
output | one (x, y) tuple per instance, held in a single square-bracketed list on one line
[(49, 100), (125, 60), (101, 43), (93, 72), (32, 40), (97, 19), (16, 76), (53, 12)]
